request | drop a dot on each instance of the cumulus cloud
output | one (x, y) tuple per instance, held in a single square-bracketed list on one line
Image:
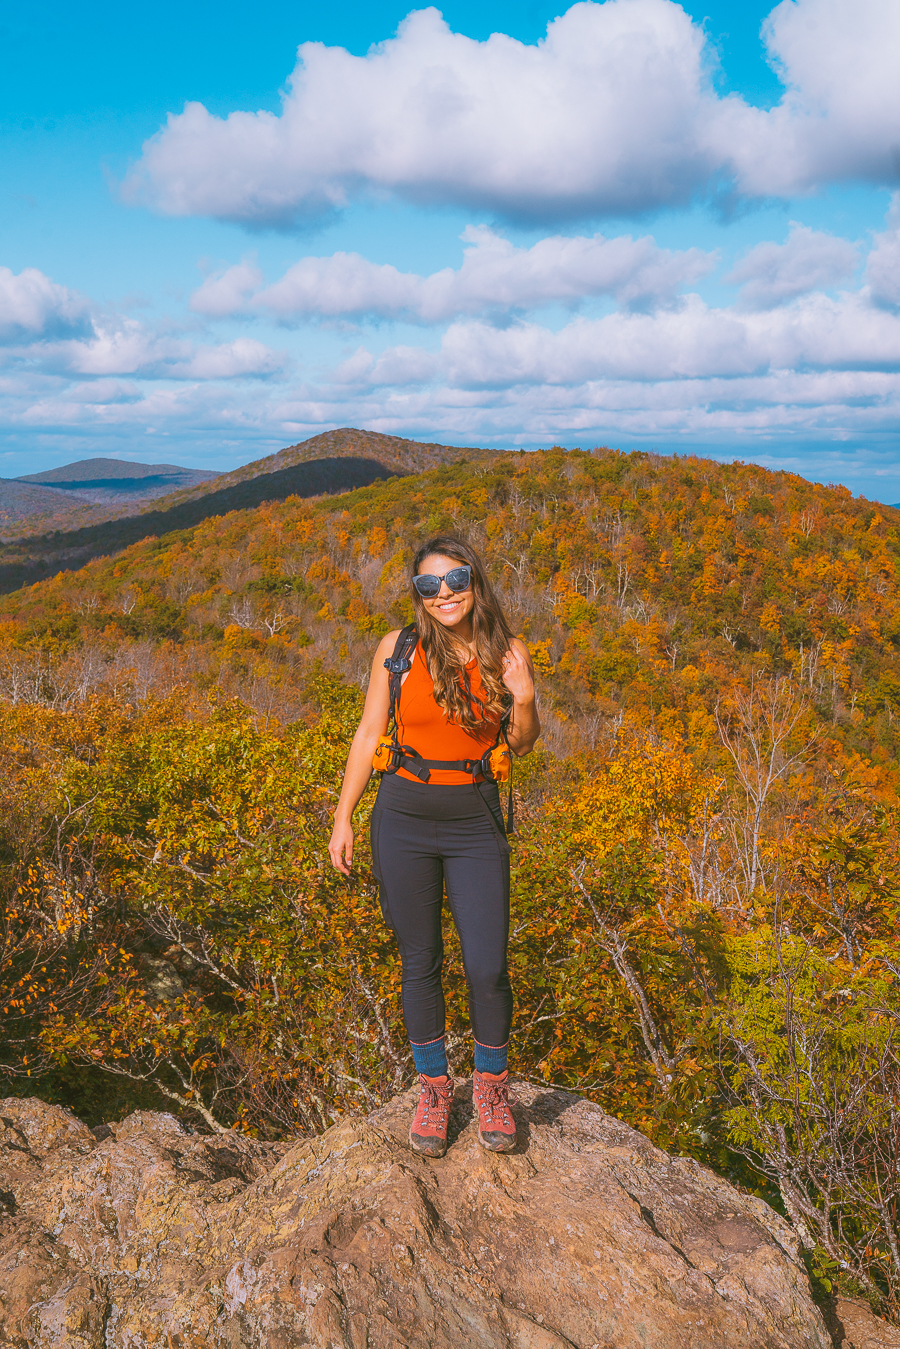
[(788, 361), (883, 264), (772, 273), (692, 342), (600, 115), (228, 291), (241, 358), (132, 349), (495, 276), (397, 366), (34, 308), (56, 332), (839, 115), (612, 112)]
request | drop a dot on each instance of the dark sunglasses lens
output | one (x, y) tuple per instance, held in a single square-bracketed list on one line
[(427, 586), (459, 578)]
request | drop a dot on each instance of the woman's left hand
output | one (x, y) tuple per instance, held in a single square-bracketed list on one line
[(517, 675)]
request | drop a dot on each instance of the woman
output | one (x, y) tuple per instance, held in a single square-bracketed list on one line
[(437, 820)]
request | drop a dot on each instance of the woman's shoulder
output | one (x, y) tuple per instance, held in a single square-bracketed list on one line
[(389, 640), (516, 644), (388, 643), (385, 648)]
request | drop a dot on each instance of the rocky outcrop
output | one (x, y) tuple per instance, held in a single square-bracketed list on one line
[(141, 1234)]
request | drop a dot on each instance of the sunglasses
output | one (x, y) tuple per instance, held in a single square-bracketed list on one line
[(459, 579)]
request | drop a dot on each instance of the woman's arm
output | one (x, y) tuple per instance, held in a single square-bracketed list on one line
[(359, 761), (518, 676)]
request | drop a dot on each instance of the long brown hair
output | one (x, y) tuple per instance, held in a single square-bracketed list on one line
[(446, 658)]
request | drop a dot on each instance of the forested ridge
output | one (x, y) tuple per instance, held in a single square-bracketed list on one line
[(38, 538), (706, 868)]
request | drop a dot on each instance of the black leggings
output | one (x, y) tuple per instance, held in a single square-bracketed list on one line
[(424, 837)]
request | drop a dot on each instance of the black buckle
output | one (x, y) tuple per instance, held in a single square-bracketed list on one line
[(413, 763), (398, 666)]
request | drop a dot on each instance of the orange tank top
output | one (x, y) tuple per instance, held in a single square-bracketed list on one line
[(426, 727)]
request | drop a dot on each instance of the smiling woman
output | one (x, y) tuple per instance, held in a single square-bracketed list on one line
[(454, 684)]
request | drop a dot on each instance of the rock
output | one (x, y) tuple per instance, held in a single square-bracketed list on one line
[(854, 1326), (41, 1128), (587, 1236)]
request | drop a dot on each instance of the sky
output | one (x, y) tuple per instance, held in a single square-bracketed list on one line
[(224, 229)]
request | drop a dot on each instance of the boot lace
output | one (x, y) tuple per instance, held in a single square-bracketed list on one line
[(434, 1100), (494, 1101)]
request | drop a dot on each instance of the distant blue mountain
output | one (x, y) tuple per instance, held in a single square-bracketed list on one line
[(111, 480)]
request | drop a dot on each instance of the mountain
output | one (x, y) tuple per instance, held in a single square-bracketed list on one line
[(23, 500), (333, 462), (393, 452), (89, 492), (640, 580), (111, 480)]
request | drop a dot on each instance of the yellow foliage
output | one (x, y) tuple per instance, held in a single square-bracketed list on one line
[(649, 793), (540, 655)]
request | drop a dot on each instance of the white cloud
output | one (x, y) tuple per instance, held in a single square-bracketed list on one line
[(133, 349), (129, 347), (600, 115), (838, 119), (243, 357), (397, 365), (611, 113), (495, 276), (883, 265), (228, 291), (691, 342), (53, 331), (33, 308), (772, 273)]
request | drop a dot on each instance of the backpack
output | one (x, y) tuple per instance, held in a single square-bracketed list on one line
[(495, 764)]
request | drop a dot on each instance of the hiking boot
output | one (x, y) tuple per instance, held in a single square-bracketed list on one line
[(496, 1126), (428, 1131)]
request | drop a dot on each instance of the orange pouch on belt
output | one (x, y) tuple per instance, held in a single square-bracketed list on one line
[(499, 760), (384, 754)]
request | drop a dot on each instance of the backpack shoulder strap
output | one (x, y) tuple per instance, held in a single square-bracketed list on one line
[(505, 719), (397, 665)]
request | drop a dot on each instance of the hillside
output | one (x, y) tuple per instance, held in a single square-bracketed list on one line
[(328, 463), (398, 455), (22, 500), (89, 492), (103, 480), (637, 579), (706, 873)]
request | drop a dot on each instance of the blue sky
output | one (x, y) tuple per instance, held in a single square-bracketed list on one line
[(629, 223)]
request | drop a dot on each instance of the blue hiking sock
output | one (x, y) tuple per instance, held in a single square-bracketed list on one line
[(491, 1058), (431, 1059)]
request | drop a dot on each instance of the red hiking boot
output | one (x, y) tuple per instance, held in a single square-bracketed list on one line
[(428, 1131), (496, 1126)]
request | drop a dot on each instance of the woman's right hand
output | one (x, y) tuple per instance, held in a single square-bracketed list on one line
[(340, 847)]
